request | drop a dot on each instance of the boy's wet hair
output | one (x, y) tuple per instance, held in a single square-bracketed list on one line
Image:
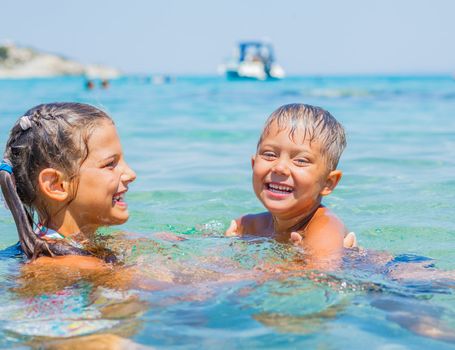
[(53, 135), (317, 124)]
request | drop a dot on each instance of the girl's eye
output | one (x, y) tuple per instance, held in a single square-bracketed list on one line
[(110, 165)]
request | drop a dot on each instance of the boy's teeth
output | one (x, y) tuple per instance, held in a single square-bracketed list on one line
[(280, 188)]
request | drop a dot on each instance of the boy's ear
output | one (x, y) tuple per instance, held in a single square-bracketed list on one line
[(252, 161), (331, 182), (53, 184)]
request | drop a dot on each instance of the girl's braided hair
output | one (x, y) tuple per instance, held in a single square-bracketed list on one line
[(53, 135)]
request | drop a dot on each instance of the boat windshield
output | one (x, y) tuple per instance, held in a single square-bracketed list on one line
[(256, 52)]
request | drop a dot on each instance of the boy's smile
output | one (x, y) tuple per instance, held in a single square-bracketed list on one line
[(289, 173), (279, 190)]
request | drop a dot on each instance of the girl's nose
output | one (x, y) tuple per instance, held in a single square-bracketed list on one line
[(129, 175)]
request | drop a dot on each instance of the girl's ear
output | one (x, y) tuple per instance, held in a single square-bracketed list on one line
[(53, 184), (252, 162), (331, 182)]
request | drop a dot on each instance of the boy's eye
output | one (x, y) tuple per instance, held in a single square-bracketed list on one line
[(268, 155), (301, 161)]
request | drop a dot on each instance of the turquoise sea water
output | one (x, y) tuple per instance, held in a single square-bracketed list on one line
[(190, 142)]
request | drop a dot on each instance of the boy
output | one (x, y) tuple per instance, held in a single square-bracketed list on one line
[(295, 165)]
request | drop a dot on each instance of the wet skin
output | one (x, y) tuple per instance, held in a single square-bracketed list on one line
[(290, 177)]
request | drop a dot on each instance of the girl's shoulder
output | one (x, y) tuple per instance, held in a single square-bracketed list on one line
[(72, 262)]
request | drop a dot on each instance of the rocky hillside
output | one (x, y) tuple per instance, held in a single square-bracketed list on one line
[(21, 62)]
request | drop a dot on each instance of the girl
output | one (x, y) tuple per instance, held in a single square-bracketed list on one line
[(63, 176)]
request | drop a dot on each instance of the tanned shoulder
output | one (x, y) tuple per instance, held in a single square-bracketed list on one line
[(256, 224), (325, 231)]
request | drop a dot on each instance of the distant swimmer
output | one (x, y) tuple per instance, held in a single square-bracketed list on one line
[(105, 84), (161, 79), (89, 85)]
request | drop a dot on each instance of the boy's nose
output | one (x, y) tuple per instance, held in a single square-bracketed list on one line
[(281, 168)]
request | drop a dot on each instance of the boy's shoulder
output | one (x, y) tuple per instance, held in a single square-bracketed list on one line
[(325, 228), (254, 224)]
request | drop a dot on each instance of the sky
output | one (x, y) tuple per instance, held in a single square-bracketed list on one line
[(194, 37)]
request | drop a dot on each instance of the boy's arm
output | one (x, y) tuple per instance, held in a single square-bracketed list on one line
[(349, 241), (252, 224), (244, 224), (233, 229), (236, 228)]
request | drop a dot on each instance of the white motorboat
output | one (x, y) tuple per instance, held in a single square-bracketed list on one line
[(254, 60)]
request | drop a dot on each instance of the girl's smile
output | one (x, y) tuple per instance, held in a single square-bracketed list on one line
[(119, 199), (102, 182)]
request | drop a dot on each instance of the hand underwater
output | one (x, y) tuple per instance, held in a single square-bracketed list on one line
[(349, 241), (232, 230)]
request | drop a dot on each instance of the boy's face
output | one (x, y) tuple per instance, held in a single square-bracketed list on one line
[(290, 177)]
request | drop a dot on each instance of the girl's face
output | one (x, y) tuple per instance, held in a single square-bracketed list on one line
[(103, 182)]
